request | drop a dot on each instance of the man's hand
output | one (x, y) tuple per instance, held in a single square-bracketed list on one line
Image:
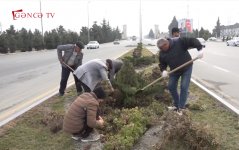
[(165, 73), (112, 90), (61, 60), (101, 121), (200, 54)]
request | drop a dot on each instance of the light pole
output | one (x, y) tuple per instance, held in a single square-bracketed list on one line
[(140, 24), (41, 25), (88, 21)]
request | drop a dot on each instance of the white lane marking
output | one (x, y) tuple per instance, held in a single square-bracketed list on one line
[(221, 69), (28, 59), (202, 61), (219, 54)]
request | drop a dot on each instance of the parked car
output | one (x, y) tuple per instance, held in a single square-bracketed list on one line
[(93, 44), (116, 41), (234, 41), (202, 41)]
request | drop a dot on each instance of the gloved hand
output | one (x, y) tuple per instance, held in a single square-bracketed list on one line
[(200, 54), (165, 73)]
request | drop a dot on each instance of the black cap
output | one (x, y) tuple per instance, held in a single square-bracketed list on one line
[(99, 92), (175, 30), (80, 44), (109, 62)]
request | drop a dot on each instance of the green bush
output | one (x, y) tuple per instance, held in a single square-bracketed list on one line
[(145, 60)]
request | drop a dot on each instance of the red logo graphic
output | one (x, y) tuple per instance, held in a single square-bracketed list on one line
[(21, 14), (13, 13)]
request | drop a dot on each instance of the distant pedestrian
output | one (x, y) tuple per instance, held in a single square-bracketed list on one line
[(73, 57)]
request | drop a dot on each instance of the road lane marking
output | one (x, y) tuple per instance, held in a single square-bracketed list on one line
[(99, 51), (202, 61), (219, 54), (28, 59), (221, 69), (18, 108)]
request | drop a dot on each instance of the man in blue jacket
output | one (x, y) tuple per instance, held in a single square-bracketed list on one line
[(174, 53), (73, 57)]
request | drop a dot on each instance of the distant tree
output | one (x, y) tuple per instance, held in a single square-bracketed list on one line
[(217, 28), (3, 43), (173, 24), (11, 36), (38, 40), (151, 34), (30, 42), (25, 39)]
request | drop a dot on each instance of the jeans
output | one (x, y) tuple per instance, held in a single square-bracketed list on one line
[(64, 78), (180, 100)]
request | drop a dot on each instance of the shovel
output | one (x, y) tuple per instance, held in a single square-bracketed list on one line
[(68, 66), (183, 65)]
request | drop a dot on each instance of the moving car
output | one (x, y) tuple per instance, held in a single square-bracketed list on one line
[(234, 41), (133, 38), (212, 39), (202, 41), (116, 41), (93, 44)]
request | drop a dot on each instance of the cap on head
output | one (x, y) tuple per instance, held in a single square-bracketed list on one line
[(161, 42), (175, 30), (80, 44), (99, 92), (109, 62)]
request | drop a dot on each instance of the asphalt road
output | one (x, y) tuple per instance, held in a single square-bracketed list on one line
[(218, 69), (26, 76)]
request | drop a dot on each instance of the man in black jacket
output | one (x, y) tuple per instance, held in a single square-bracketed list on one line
[(173, 53), (116, 66)]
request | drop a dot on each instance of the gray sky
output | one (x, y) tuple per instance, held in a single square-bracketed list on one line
[(73, 14)]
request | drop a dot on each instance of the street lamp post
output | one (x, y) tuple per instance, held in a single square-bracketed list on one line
[(88, 21), (140, 24), (41, 26)]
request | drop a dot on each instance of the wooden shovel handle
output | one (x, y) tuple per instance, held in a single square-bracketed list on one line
[(183, 65), (68, 66)]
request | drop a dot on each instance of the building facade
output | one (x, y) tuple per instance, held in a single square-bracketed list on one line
[(124, 33), (229, 31)]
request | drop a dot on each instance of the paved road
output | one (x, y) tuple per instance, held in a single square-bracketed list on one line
[(26, 76), (218, 69)]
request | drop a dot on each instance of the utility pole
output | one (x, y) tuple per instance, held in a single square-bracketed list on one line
[(88, 21), (41, 25), (140, 24)]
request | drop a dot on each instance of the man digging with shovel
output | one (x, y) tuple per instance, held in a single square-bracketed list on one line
[(173, 53)]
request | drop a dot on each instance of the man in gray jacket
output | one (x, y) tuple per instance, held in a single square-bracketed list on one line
[(73, 57), (116, 66), (92, 72)]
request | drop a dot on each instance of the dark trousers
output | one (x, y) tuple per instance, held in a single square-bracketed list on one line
[(64, 78), (86, 130)]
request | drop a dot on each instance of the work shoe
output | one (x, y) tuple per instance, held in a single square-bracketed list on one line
[(180, 111), (92, 137), (60, 94), (76, 136), (172, 108)]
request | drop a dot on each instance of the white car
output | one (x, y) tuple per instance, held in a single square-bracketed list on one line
[(93, 44), (234, 41), (212, 39), (202, 41)]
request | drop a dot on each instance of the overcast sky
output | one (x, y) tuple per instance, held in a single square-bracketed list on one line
[(73, 14)]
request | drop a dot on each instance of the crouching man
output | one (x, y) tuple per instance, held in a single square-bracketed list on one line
[(83, 116)]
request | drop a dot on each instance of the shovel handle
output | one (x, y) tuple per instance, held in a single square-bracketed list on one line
[(183, 65), (68, 66)]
